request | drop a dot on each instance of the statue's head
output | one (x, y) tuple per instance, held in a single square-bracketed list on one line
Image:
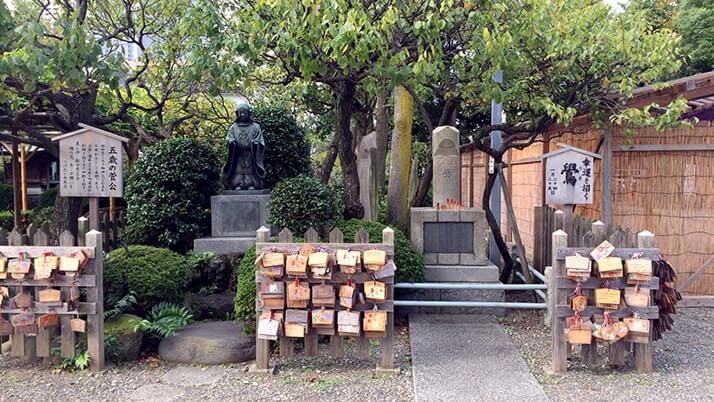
[(244, 114)]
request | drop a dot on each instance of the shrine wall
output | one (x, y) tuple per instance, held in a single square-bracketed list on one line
[(668, 191)]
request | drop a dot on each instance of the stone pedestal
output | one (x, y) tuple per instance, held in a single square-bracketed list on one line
[(454, 244), (235, 216)]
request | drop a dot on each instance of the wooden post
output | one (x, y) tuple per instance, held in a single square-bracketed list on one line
[(312, 346), (538, 238), (95, 322), (589, 352), (66, 334), (23, 176), (568, 224), (112, 206), (262, 346), (514, 225), (337, 344), (549, 296), (560, 355), (93, 213), (16, 191), (287, 346), (362, 343), (558, 220), (82, 230), (643, 351), (386, 364), (606, 177)]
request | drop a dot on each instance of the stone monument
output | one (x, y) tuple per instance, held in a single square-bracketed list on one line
[(452, 238), (243, 207), (366, 167)]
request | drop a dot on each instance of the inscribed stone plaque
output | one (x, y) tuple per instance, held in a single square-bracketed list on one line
[(448, 237), (90, 163), (243, 219)]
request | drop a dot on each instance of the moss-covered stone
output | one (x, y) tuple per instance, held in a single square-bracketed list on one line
[(128, 342)]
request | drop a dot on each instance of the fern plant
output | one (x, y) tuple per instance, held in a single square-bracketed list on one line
[(81, 358), (122, 305), (164, 319)]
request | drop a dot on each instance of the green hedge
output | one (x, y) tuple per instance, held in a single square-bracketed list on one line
[(287, 153), (301, 202), (155, 274), (6, 197), (245, 291), (168, 194)]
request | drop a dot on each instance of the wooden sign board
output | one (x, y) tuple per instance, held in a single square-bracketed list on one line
[(90, 163), (569, 176)]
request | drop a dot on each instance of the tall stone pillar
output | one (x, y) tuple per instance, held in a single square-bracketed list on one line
[(447, 164), (366, 166)]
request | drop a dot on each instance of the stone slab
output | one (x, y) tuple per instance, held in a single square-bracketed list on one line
[(239, 214), (467, 358), (158, 393), (481, 295), (461, 273), (223, 245), (210, 342), (193, 376)]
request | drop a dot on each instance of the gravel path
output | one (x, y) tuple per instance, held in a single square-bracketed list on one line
[(683, 363), (303, 378)]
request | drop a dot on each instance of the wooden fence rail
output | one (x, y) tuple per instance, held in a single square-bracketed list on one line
[(336, 348), (582, 232), (559, 287), (92, 308)]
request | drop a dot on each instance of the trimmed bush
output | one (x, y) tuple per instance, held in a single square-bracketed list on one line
[(302, 202), (287, 153), (410, 264), (47, 199), (168, 194), (245, 290), (154, 274), (6, 197), (7, 220)]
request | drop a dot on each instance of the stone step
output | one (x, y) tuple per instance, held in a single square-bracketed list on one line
[(461, 273)]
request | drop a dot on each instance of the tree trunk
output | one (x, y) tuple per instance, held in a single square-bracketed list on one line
[(493, 224), (65, 213), (382, 130), (400, 161), (345, 93), (330, 157)]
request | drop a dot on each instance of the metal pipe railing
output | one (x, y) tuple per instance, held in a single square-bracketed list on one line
[(469, 286), (429, 303), (536, 273), (538, 292)]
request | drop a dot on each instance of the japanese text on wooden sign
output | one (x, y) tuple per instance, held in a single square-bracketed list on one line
[(90, 164), (569, 178)]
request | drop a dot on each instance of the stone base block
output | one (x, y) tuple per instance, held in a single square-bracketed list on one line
[(461, 273), (223, 245), (239, 213)]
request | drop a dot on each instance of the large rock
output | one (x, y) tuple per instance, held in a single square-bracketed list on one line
[(128, 342), (212, 342)]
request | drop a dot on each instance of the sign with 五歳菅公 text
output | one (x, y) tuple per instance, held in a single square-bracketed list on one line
[(90, 163)]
